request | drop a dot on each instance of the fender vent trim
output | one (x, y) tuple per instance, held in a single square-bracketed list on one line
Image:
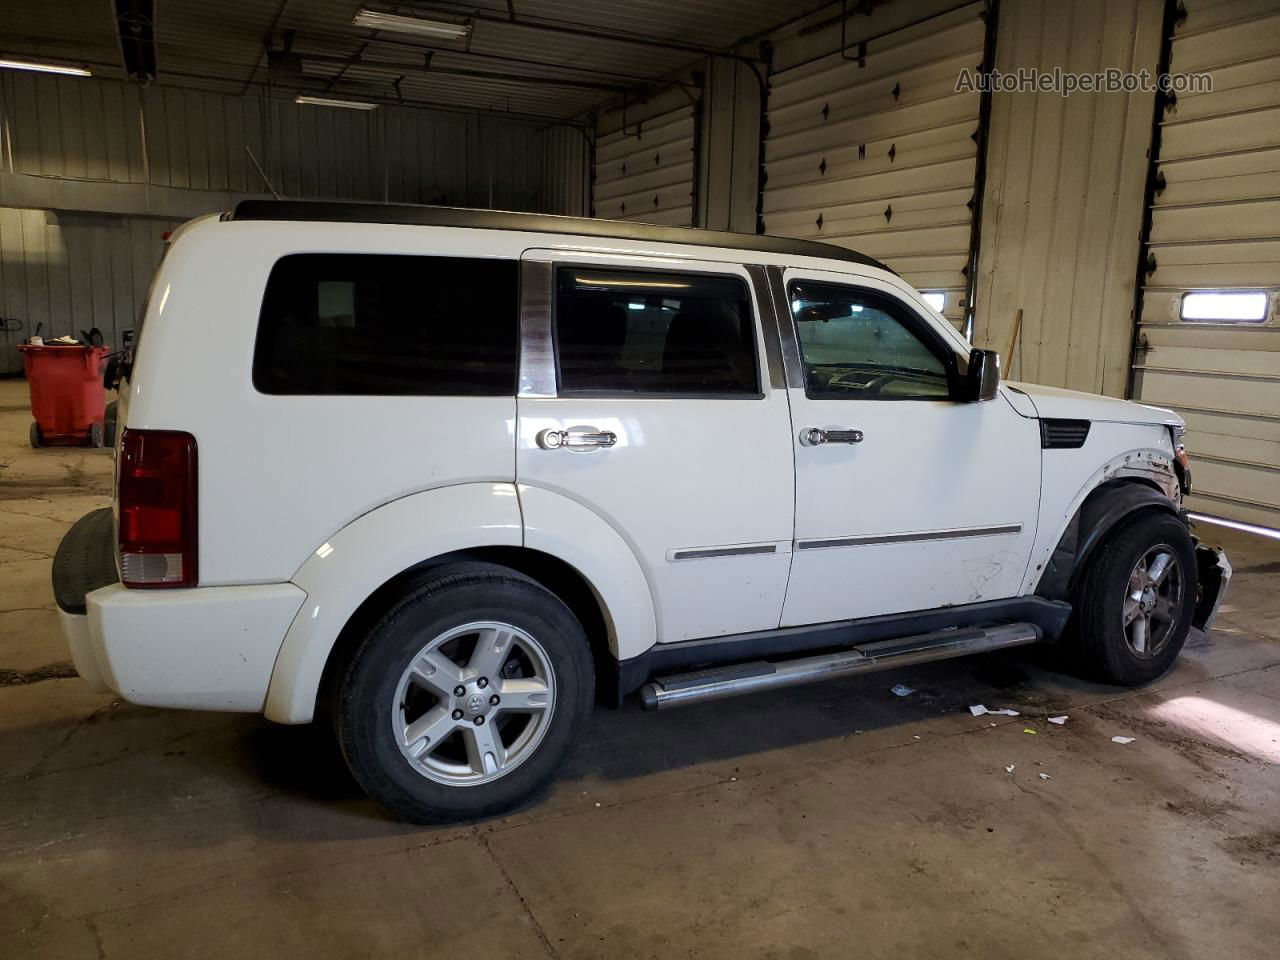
[(1060, 434)]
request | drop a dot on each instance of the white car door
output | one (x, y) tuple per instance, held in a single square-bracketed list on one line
[(655, 409), (905, 499)]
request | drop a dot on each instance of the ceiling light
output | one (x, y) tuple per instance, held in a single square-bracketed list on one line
[(44, 68), (328, 102), (442, 29)]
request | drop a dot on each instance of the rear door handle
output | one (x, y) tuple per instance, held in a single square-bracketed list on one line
[(576, 439), (813, 436)]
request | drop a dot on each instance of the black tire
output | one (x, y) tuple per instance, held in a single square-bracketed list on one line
[(1106, 650), (366, 690), (35, 436), (96, 435)]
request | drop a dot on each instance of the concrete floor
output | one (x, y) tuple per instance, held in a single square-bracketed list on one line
[(828, 821)]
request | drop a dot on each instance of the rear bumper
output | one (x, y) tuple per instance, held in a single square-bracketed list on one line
[(1215, 573), (208, 648)]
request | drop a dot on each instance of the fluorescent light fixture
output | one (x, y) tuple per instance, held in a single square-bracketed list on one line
[(1244, 306), (7, 64), (936, 299), (394, 22), (1254, 528), (329, 102)]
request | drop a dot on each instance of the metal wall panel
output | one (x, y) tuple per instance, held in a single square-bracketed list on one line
[(1214, 226), (106, 130), (646, 170), (880, 155), (76, 270), (72, 272), (1064, 187)]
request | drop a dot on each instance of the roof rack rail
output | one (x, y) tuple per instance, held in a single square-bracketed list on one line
[(356, 212)]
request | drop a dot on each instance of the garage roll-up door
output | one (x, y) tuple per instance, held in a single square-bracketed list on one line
[(1215, 227), (881, 157), (645, 171)]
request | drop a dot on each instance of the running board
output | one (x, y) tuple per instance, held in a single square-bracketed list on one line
[(717, 683)]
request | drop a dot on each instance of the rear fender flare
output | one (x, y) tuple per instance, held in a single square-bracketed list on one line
[(371, 550)]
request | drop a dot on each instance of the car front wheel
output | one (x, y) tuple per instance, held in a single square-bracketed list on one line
[(466, 697), (1136, 603)]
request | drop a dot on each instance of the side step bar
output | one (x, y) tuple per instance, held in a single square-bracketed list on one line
[(718, 683)]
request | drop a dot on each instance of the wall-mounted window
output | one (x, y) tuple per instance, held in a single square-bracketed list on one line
[(1225, 306), (936, 299)]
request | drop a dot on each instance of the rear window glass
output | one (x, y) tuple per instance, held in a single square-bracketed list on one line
[(642, 332), (388, 325)]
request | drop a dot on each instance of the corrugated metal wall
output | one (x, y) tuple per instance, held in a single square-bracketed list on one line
[(879, 155), (73, 272), (111, 131), (1064, 187), (645, 170), (1216, 226), (65, 268)]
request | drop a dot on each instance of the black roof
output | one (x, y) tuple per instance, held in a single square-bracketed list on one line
[(346, 212)]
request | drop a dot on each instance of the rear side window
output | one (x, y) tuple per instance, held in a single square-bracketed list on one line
[(642, 332), (387, 325)]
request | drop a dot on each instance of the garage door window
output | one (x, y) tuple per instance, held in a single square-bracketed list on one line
[(646, 333), (388, 326)]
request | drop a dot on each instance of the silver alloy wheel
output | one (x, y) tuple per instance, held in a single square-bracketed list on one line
[(1152, 601), (474, 703)]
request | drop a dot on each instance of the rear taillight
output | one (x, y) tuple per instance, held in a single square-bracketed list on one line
[(157, 502)]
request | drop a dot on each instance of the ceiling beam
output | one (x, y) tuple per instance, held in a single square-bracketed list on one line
[(572, 30), (629, 78), (430, 67)]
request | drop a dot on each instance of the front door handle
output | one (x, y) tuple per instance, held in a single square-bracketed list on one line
[(579, 439), (813, 436)]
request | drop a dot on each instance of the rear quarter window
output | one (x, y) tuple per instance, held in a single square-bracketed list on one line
[(388, 325)]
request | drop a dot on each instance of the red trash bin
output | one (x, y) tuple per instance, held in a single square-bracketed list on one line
[(67, 398)]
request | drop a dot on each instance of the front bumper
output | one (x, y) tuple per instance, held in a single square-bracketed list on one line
[(1215, 573), (207, 648)]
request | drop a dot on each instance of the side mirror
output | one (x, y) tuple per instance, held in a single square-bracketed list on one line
[(983, 379)]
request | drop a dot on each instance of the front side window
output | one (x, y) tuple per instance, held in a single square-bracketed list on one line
[(388, 325), (642, 332), (865, 345)]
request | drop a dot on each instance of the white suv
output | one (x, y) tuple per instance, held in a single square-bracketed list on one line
[(446, 477)]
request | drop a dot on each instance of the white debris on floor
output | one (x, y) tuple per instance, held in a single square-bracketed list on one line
[(901, 690), (1059, 720), (979, 710), (1123, 739)]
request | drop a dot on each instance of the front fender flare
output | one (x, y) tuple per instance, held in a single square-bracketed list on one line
[(1103, 509), (364, 555)]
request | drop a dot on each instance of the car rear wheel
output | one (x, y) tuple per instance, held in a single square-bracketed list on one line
[(1135, 605), (466, 697)]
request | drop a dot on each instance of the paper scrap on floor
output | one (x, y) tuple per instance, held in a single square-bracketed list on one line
[(979, 710), (1059, 720), (1123, 739), (901, 690)]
